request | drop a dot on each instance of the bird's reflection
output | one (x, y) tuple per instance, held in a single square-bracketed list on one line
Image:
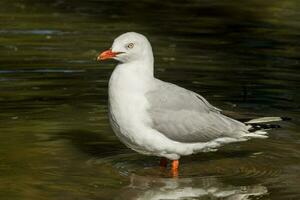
[(149, 188)]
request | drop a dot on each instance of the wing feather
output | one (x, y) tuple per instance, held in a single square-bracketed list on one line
[(185, 116)]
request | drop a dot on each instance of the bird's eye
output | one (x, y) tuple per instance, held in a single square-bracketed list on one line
[(130, 45)]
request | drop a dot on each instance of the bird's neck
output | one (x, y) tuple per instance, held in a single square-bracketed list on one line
[(131, 77), (142, 68)]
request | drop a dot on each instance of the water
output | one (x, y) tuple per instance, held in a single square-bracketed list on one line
[(56, 142)]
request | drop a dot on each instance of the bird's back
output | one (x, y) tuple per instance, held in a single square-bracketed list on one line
[(185, 116)]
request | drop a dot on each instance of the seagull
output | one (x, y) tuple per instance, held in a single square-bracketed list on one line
[(154, 117)]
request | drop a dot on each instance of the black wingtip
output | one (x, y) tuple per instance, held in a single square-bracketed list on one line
[(256, 127)]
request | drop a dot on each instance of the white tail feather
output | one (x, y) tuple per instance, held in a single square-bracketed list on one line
[(257, 134), (264, 120)]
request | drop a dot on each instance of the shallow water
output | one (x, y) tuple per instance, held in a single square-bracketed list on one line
[(56, 142)]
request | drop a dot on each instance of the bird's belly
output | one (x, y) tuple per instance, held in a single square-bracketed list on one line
[(128, 119)]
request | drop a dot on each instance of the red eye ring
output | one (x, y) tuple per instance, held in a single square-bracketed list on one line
[(130, 45)]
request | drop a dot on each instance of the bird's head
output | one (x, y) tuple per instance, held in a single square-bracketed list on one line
[(128, 47)]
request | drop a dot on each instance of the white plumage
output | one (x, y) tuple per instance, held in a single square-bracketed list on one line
[(159, 118)]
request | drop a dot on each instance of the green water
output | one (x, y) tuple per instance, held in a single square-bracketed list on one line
[(55, 139)]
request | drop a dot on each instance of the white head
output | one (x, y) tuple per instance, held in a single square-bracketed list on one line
[(129, 47)]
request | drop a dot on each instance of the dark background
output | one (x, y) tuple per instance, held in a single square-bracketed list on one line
[(55, 139)]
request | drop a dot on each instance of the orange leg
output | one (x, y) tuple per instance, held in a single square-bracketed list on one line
[(175, 166), (163, 163)]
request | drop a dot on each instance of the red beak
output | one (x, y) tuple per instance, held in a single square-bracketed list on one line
[(109, 54)]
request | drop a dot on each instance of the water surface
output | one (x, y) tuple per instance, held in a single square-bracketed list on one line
[(55, 140)]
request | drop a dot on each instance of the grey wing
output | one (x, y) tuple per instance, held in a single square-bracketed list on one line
[(185, 116)]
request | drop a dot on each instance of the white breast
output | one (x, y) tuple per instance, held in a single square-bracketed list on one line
[(128, 105)]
